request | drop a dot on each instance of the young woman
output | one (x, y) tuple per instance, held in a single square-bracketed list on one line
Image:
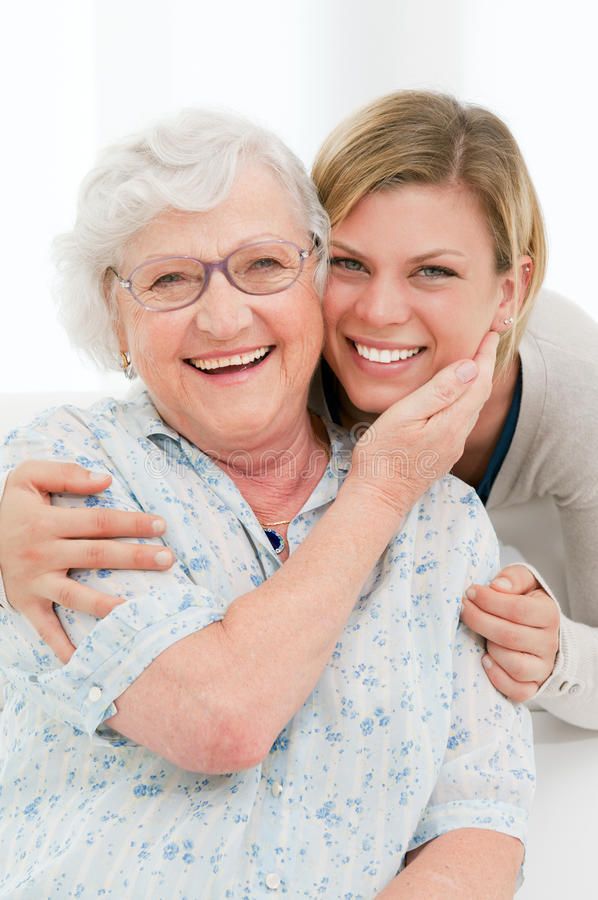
[(429, 201)]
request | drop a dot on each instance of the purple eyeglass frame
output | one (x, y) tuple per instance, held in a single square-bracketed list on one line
[(209, 267)]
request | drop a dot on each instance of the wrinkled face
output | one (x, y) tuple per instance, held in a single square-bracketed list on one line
[(232, 369), (413, 287)]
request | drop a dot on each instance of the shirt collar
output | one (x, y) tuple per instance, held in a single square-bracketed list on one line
[(158, 432)]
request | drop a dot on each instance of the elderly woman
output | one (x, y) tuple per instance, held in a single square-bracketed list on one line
[(235, 726)]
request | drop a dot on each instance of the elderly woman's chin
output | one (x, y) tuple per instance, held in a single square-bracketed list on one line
[(229, 403)]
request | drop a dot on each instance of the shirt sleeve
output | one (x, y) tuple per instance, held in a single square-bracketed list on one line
[(112, 654), (487, 777), (159, 609)]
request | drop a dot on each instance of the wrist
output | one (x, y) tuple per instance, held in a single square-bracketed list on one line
[(371, 497)]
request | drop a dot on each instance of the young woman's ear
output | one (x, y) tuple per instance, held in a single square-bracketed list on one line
[(513, 293)]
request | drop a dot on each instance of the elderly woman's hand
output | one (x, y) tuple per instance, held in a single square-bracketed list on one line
[(520, 622), (37, 550)]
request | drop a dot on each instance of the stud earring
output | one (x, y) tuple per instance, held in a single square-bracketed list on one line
[(508, 322), (125, 364)]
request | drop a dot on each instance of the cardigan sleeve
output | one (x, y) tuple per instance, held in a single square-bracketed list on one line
[(571, 692), (562, 462)]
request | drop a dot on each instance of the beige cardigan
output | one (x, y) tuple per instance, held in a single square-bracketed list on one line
[(554, 454)]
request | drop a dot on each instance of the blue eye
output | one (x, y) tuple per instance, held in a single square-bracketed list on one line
[(433, 272), (346, 264)]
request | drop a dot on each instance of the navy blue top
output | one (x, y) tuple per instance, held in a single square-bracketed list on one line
[(330, 386)]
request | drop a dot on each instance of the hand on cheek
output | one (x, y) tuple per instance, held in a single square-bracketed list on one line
[(520, 622)]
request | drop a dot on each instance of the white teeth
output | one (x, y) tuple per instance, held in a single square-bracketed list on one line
[(241, 359), (385, 356)]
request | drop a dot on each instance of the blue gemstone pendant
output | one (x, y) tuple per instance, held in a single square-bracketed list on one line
[(276, 539)]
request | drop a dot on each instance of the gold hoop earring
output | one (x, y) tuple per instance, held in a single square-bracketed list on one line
[(125, 364)]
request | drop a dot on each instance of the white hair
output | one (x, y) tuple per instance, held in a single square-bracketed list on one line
[(187, 163)]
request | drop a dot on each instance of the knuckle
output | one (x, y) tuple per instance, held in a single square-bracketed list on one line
[(101, 605), (553, 617), (516, 609), (95, 556), (101, 519), (142, 556), (445, 392), (22, 473), (518, 668), (69, 470), (65, 594), (507, 635), (522, 692), (30, 555), (470, 615), (141, 524)]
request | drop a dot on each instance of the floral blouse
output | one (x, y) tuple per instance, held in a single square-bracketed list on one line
[(403, 738)]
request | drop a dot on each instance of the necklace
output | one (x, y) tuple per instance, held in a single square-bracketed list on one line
[(274, 536)]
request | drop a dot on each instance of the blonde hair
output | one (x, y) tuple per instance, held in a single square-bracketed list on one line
[(427, 138)]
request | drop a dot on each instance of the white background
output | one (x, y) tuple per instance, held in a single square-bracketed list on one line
[(77, 74)]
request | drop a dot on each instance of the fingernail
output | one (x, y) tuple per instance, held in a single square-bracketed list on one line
[(467, 371), (502, 583), (158, 526), (470, 593), (163, 557), (97, 476), (486, 662)]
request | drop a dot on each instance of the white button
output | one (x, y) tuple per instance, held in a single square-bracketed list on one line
[(272, 881), (94, 694), (276, 789), (575, 689)]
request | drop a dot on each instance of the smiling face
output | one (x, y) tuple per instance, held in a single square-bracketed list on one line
[(230, 372), (413, 287)]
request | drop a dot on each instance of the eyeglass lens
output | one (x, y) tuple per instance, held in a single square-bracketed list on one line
[(263, 268)]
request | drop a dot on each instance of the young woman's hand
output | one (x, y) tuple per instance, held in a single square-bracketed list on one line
[(420, 437), (520, 622), (39, 543)]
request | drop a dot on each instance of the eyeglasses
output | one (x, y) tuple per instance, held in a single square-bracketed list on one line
[(173, 282)]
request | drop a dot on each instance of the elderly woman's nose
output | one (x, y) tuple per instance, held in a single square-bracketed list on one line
[(382, 303), (223, 311)]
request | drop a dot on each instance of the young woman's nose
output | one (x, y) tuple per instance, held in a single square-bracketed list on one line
[(383, 301), (223, 311)]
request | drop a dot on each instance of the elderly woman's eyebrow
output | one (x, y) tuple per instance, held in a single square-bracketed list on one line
[(242, 242)]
